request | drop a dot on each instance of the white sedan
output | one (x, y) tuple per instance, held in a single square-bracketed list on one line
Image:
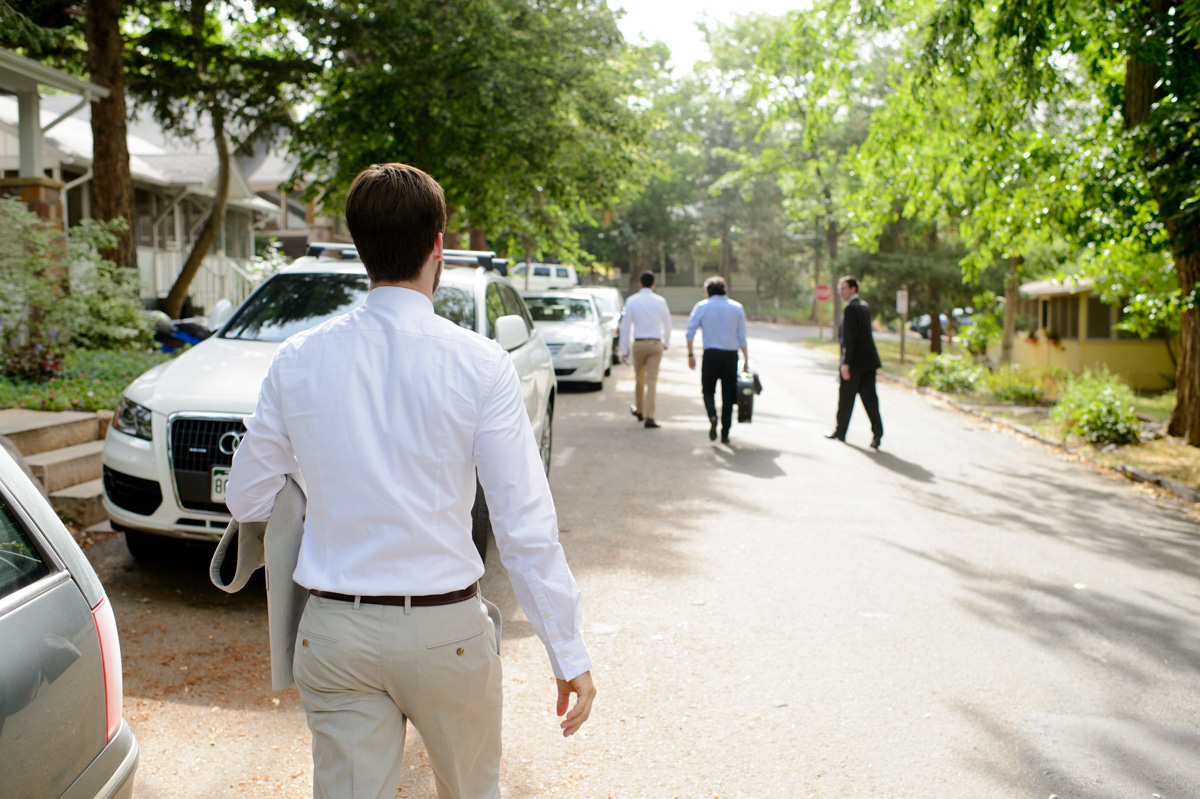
[(168, 455), (575, 332)]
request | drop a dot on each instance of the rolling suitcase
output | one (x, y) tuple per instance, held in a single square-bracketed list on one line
[(748, 385)]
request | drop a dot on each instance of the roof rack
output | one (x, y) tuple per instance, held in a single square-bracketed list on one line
[(485, 258)]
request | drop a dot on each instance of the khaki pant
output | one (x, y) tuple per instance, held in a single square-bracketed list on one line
[(365, 670), (647, 355)]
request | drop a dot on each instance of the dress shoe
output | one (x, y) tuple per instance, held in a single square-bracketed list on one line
[(834, 435), (875, 442), (725, 439), (633, 409), (651, 424), (712, 429)]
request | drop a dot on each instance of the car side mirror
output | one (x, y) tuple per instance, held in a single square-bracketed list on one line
[(511, 332), (221, 313)]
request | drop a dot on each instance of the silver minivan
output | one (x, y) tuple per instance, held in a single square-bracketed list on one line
[(61, 730)]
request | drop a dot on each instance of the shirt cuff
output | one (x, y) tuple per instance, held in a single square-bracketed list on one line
[(569, 659)]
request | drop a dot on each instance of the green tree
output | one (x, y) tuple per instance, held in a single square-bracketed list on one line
[(88, 44), (1138, 164), (520, 108), (235, 64)]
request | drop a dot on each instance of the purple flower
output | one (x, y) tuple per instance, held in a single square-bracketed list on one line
[(53, 334), (38, 347)]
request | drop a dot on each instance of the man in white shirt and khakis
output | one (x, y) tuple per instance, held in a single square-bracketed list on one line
[(388, 412), (646, 333)]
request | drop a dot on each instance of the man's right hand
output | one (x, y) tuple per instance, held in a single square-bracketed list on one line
[(585, 691), (624, 359)]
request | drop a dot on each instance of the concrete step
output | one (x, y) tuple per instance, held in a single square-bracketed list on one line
[(82, 503), (68, 466), (40, 431)]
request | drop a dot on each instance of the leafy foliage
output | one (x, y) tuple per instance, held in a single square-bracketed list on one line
[(60, 293), (520, 108), (1099, 408), (948, 373)]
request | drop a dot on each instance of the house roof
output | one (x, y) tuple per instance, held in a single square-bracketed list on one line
[(18, 73), (148, 161), (1050, 288)]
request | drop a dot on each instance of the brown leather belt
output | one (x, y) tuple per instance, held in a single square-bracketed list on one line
[(413, 601)]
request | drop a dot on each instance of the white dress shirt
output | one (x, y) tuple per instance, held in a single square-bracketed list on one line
[(387, 411), (646, 316)]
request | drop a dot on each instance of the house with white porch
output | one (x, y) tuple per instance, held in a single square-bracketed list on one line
[(46, 139)]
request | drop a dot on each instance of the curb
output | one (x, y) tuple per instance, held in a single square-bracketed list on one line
[(1180, 490)]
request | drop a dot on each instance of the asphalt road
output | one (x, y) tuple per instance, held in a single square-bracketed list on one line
[(965, 613)]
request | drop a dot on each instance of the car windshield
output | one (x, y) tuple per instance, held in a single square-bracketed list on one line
[(291, 303), (559, 309), (606, 300)]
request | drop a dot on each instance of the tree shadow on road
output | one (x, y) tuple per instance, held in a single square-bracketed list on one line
[(1133, 636)]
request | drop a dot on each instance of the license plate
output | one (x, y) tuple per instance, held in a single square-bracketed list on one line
[(220, 481)]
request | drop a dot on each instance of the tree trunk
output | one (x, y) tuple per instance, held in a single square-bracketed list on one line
[(1141, 92), (478, 239), (452, 239), (112, 185), (1185, 419), (726, 255), (831, 244), (1012, 286), (935, 324), (173, 305)]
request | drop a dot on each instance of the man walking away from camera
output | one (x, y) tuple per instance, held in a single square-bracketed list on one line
[(722, 322), (387, 412), (647, 323), (859, 362)]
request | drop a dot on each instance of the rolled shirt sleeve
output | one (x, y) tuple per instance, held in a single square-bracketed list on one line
[(694, 320), (526, 525)]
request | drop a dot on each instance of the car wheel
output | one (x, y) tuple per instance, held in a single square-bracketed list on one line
[(481, 523), (547, 442), (147, 547)]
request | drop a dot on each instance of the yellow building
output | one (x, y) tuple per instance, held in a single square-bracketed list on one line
[(1076, 331)]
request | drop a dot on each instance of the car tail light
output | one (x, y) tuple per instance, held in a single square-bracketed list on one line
[(110, 655)]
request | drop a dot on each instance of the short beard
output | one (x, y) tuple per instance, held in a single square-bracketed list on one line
[(437, 279)]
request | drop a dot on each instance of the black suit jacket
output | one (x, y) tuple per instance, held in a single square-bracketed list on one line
[(858, 345)]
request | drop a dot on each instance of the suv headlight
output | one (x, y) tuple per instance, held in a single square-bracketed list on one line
[(132, 419)]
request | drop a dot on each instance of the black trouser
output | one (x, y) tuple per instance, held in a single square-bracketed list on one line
[(862, 384), (720, 365)]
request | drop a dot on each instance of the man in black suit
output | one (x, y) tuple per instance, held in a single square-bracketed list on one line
[(860, 359)]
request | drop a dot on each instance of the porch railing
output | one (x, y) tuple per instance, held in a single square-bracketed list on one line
[(220, 277)]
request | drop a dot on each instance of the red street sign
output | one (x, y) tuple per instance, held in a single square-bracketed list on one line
[(824, 293)]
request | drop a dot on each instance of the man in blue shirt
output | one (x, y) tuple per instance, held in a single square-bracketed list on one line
[(723, 322)]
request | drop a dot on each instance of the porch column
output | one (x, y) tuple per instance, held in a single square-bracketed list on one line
[(30, 137), (41, 194)]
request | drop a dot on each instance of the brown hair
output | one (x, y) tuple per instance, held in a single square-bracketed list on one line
[(715, 285), (395, 213)]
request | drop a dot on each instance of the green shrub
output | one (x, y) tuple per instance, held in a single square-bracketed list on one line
[(87, 381), (59, 293), (1098, 407), (1015, 385), (949, 373)]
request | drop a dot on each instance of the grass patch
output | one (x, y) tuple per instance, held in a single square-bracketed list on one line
[(1155, 406), (915, 350), (90, 380)]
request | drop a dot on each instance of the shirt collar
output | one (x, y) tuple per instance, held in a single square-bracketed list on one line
[(397, 298)]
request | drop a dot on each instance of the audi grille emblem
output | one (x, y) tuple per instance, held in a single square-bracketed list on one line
[(228, 443)]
